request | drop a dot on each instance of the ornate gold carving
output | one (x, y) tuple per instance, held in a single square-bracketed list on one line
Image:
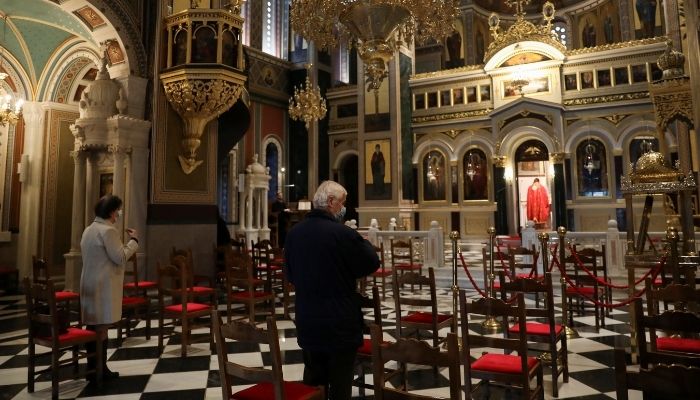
[(616, 118), (672, 105), (572, 121), (199, 96), (452, 133), (651, 175), (90, 17), (446, 72), (606, 99), (557, 158), (343, 127), (614, 46), (455, 115), (671, 62), (499, 161), (522, 30)]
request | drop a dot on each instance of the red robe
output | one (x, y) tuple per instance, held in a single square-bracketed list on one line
[(537, 204)]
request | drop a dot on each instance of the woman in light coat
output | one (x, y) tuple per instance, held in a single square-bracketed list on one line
[(102, 278)]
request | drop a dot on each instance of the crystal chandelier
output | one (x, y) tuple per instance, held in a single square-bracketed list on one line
[(376, 27), (307, 104)]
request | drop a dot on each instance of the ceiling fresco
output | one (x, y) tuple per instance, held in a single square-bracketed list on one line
[(535, 6)]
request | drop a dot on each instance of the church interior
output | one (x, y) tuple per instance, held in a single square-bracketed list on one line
[(490, 136)]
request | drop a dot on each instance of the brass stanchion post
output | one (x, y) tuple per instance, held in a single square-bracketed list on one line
[(454, 237), (544, 253), (570, 332), (491, 324)]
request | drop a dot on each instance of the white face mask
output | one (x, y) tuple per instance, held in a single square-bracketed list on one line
[(120, 213)]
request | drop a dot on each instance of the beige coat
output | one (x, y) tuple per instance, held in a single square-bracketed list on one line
[(102, 279)]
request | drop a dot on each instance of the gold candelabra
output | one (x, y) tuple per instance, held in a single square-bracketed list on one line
[(376, 27), (307, 104)]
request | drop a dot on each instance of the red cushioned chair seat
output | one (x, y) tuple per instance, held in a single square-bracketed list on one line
[(73, 333), (408, 266), (379, 273), (684, 345), (8, 270), (142, 285), (270, 267), (589, 290), (265, 390), (535, 328), (658, 281), (133, 300), (201, 289), (503, 363), (366, 347), (424, 317), (65, 296), (191, 307), (246, 295)]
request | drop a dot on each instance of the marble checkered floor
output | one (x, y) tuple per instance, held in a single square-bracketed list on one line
[(147, 375)]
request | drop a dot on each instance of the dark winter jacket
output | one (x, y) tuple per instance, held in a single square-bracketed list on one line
[(324, 258)]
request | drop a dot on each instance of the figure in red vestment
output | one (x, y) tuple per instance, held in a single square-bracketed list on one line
[(537, 202)]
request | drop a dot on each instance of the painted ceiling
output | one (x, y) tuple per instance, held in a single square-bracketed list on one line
[(33, 30), (534, 6)]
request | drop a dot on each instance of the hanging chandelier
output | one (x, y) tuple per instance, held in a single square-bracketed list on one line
[(307, 104), (588, 163), (10, 109), (376, 27)]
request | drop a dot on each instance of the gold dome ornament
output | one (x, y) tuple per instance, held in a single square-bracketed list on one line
[(651, 174)]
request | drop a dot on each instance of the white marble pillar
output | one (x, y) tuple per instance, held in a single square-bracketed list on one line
[(118, 179), (138, 204), (92, 187), (74, 264), (33, 114)]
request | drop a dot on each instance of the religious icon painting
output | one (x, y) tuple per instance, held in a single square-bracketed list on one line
[(485, 92), (457, 96), (471, 94), (432, 99), (604, 77), (587, 80), (570, 82), (434, 176), (621, 76), (419, 101), (639, 73), (378, 169), (445, 98)]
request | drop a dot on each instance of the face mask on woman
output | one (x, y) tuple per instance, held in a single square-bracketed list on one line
[(120, 213)]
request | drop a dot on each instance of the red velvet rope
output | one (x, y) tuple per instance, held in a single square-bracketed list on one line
[(554, 257), (613, 305), (469, 275), (602, 281)]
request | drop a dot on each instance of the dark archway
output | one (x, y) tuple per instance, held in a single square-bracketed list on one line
[(233, 124)]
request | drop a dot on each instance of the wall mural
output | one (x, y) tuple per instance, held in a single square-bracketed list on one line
[(377, 175)]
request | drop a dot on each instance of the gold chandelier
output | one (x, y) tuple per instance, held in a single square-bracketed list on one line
[(10, 110), (376, 27), (307, 104)]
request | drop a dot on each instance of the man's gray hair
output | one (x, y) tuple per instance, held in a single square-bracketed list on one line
[(325, 190)]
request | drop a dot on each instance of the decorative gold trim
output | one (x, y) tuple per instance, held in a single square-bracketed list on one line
[(615, 46), (557, 158), (616, 118), (571, 121), (342, 127), (445, 72), (606, 99), (499, 161), (448, 116)]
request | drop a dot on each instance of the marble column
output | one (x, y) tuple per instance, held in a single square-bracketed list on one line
[(92, 186), (138, 203), (626, 20), (74, 262), (34, 114), (559, 192)]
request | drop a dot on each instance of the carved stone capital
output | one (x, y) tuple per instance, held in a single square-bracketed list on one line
[(499, 161), (557, 158)]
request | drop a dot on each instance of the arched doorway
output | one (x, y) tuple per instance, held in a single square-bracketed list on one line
[(233, 124), (533, 184), (348, 177)]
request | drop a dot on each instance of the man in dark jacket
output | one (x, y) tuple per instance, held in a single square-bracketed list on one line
[(324, 258)]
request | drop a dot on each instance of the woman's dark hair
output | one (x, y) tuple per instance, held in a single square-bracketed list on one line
[(107, 205)]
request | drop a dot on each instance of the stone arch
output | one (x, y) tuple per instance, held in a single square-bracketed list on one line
[(531, 129), (432, 143), (597, 128)]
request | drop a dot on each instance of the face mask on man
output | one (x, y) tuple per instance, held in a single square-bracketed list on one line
[(340, 214)]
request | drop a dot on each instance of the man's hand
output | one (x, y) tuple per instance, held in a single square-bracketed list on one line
[(132, 233)]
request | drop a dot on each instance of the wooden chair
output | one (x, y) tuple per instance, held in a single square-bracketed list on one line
[(177, 304), (41, 274), (497, 257), (661, 381), (136, 304), (587, 286), (402, 258), (417, 352), (523, 259), (264, 265), (369, 304), (684, 349), (243, 287), (201, 286), (683, 297), (547, 331), (424, 313), (512, 370), (269, 382), (288, 294), (49, 327), (382, 273), (599, 269)]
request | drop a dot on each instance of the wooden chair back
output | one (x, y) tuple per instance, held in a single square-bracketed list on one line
[(401, 252), (684, 323), (661, 381), (42, 311), (41, 271), (413, 351), (230, 371), (535, 286), (173, 281), (523, 258)]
